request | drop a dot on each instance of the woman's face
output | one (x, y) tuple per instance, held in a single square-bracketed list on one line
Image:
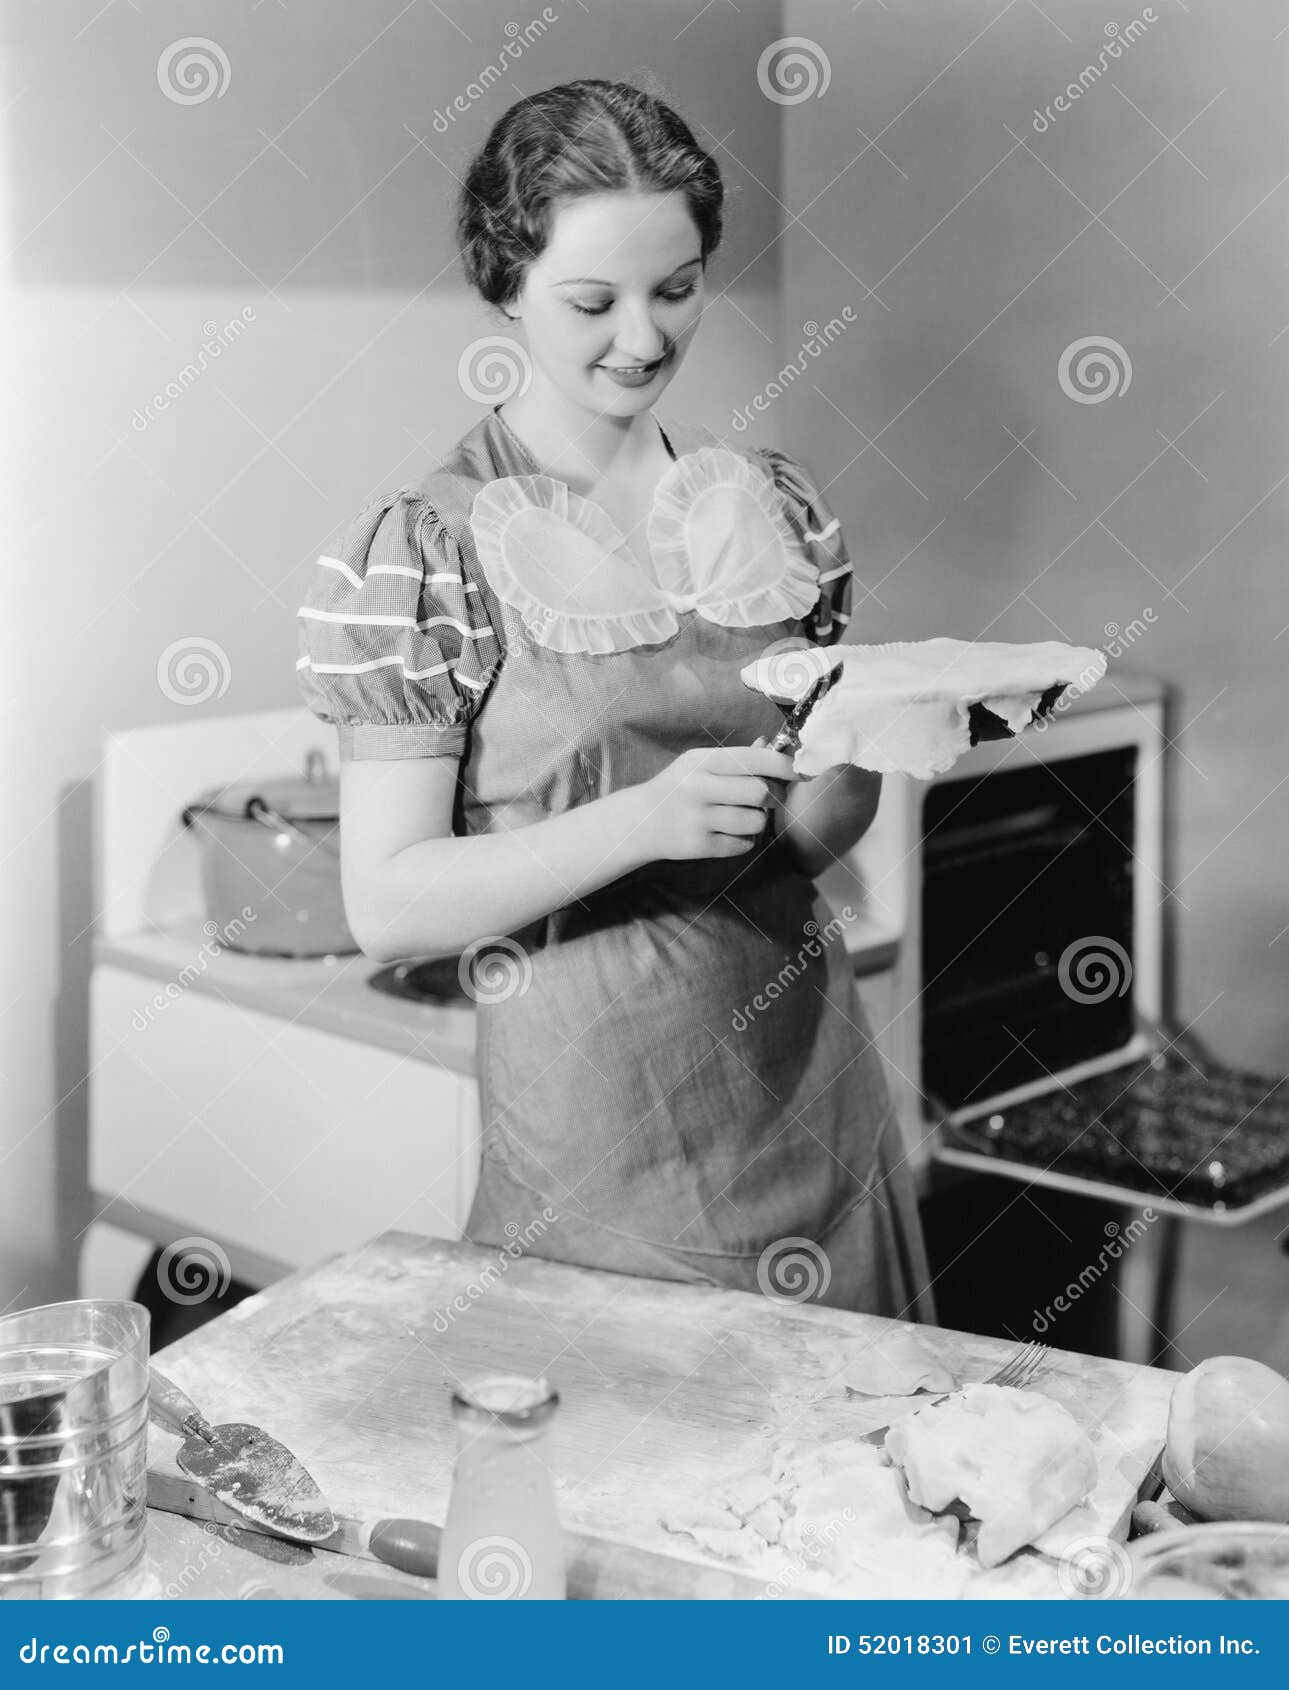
[(619, 286)]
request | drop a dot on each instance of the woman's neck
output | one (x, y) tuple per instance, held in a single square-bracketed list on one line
[(579, 447)]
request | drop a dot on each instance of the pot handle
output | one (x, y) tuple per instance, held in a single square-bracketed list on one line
[(264, 813)]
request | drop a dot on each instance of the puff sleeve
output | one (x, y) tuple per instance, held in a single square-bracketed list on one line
[(395, 646), (820, 532)]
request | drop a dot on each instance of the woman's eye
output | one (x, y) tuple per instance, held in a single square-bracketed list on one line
[(671, 298)]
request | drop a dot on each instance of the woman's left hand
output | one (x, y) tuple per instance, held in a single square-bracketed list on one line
[(824, 815)]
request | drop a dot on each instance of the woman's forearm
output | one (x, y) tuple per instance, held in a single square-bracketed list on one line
[(440, 895), (824, 816)]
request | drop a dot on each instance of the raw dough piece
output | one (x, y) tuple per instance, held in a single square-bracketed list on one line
[(894, 1365), (768, 1520), (702, 1516), (903, 707), (741, 1544), (1018, 1460), (737, 1521), (852, 1519), (904, 671), (890, 738), (746, 1493), (787, 671), (837, 1520)]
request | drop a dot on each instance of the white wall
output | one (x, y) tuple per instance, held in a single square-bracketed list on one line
[(976, 232)]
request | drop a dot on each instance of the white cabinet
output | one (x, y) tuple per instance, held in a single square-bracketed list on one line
[(277, 1140)]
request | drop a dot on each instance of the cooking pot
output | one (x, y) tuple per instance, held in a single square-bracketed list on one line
[(270, 858)]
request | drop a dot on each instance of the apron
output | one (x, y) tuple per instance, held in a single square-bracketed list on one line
[(677, 1077)]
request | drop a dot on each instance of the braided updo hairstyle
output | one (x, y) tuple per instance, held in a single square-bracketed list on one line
[(578, 138)]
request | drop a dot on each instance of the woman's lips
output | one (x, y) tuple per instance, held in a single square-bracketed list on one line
[(634, 375)]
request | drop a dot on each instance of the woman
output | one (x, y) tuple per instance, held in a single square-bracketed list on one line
[(532, 657)]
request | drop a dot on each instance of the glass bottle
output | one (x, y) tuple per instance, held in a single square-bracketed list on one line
[(502, 1538)]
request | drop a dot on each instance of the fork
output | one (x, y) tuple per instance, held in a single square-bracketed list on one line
[(1019, 1370)]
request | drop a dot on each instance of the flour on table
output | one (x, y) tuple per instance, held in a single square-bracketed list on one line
[(831, 1519)]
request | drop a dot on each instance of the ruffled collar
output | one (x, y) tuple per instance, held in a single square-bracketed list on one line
[(720, 544)]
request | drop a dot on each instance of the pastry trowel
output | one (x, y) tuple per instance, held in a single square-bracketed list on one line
[(244, 1467)]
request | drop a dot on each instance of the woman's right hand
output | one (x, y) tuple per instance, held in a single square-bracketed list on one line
[(712, 801)]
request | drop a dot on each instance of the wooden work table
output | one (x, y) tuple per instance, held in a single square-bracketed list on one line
[(665, 1389)]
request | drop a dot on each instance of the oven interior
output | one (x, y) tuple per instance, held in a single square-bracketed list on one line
[(1027, 957), (1021, 868)]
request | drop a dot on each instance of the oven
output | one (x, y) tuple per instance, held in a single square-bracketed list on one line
[(1054, 1109), (1025, 891)]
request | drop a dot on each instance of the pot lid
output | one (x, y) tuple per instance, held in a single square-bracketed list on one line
[(311, 796)]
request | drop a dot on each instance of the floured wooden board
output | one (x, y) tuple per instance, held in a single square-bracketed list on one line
[(665, 1388)]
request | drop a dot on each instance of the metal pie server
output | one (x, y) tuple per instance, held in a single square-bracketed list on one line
[(788, 738), (244, 1467)]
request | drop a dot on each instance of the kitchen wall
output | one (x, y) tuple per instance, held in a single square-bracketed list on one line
[(274, 245), (985, 497), (976, 232)]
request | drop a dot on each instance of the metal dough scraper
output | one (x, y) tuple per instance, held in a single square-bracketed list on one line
[(243, 1466)]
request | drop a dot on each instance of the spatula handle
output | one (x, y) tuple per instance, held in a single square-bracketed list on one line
[(410, 1545), (174, 1409)]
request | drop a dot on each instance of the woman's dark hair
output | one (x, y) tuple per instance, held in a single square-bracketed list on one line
[(587, 137)]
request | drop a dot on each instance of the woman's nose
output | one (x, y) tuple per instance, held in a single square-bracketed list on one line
[(639, 337)]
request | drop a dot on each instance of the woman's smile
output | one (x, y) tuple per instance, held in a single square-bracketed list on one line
[(633, 375)]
